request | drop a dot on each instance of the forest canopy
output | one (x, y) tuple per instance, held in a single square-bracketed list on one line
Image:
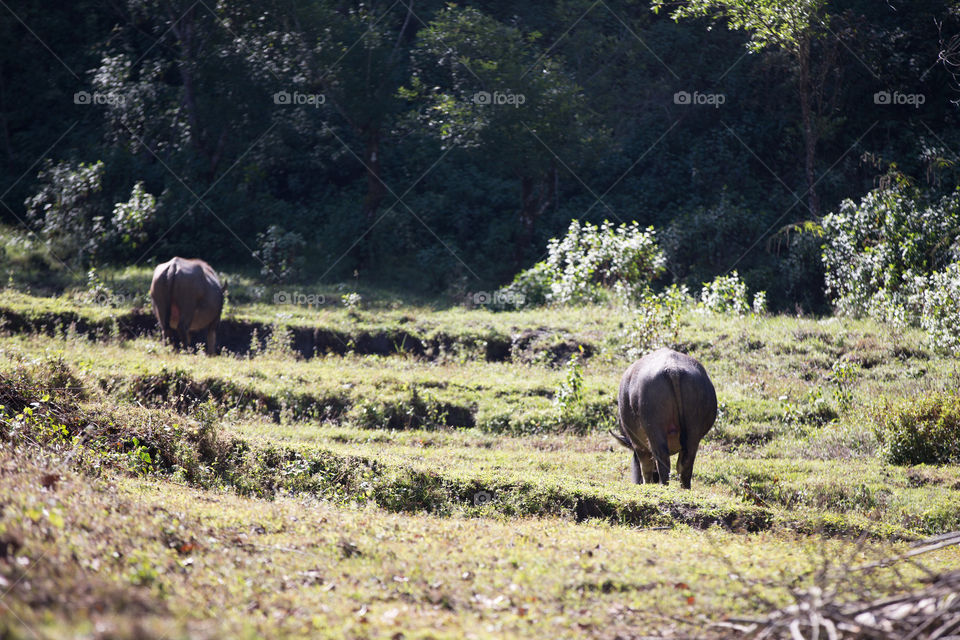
[(438, 147)]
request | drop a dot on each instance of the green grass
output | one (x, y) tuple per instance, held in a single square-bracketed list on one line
[(365, 495), (153, 559)]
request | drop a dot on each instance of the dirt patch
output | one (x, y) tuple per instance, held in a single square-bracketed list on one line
[(746, 520), (547, 346)]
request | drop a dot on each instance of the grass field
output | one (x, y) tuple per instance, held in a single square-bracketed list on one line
[(420, 479)]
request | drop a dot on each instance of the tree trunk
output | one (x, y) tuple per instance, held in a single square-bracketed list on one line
[(184, 28), (536, 194), (809, 129), (375, 188), (7, 146)]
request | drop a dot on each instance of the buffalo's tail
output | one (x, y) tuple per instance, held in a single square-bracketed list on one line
[(169, 310), (622, 436), (681, 419)]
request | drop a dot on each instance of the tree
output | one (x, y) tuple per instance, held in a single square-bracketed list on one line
[(792, 26), (66, 206), (353, 57), (486, 86)]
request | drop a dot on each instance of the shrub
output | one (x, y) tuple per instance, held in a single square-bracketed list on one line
[(895, 257), (281, 253), (590, 262), (939, 298), (654, 322), (879, 252), (924, 429), (843, 375), (569, 394), (65, 207), (131, 218), (729, 294), (351, 300)]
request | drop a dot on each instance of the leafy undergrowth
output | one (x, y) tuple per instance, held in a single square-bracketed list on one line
[(921, 430)]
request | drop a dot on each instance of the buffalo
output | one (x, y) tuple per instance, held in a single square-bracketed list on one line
[(666, 404), (187, 296)]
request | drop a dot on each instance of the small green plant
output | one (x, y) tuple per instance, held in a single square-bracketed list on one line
[(142, 571), (813, 411), (130, 219), (920, 430), (209, 415), (351, 300), (654, 322), (139, 460), (843, 374), (569, 394), (280, 342), (98, 292)]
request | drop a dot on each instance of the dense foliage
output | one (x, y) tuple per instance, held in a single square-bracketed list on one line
[(895, 256), (439, 147), (590, 263), (924, 430)]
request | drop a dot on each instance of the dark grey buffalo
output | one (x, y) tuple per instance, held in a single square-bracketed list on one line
[(187, 296), (665, 406)]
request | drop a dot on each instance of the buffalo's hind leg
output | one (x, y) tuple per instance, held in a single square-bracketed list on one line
[(183, 328), (644, 468), (661, 455), (212, 340), (685, 464)]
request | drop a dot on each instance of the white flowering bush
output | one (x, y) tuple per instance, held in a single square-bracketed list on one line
[(728, 294), (879, 251), (940, 309), (759, 303), (590, 262), (895, 257)]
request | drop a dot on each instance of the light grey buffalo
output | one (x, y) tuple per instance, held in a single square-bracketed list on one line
[(666, 405), (187, 296)]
